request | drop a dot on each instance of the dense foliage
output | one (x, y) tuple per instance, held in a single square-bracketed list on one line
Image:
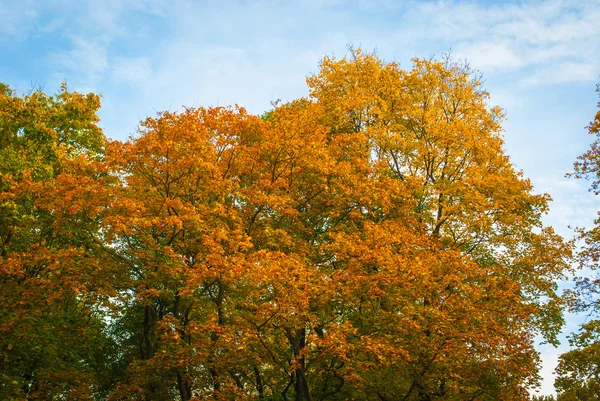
[(369, 242)]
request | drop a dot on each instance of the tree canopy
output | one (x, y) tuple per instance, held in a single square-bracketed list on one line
[(371, 242)]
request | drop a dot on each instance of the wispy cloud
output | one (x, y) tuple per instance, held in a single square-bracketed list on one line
[(564, 72), (512, 36), (88, 58), (18, 19), (132, 71)]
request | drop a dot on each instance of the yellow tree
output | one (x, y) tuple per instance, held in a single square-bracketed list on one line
[(304, 187), (485, 284)]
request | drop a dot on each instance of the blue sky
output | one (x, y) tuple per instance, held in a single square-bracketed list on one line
[(540, 60)]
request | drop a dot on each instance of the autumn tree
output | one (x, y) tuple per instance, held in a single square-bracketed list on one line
[(578, 371), (51, 273), (479, 228), (371, 241), (216, 223)]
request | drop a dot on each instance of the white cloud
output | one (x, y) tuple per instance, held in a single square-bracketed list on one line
[(87, 59), (564, 72), (111, 16), (508, 37), (490, 55)]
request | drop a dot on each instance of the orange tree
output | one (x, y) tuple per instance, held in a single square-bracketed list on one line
[(371, 242), (175, 226)]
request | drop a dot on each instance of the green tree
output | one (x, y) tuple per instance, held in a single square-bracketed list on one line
[(51, 342), (578, 371)]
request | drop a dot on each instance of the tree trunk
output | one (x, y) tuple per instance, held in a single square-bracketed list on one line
[(300, 385)]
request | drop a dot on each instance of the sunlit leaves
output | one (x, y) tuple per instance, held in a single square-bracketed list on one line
[(54, 279), (369, 242)]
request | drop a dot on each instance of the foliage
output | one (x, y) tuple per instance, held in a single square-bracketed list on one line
[(369, 242), (578, 374), (578, 369), (53, 276)]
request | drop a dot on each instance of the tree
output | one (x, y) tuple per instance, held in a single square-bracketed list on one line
[(51, 274), (479, 224), (176, 226), (578, 371), (371, 241), (578, 374)]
